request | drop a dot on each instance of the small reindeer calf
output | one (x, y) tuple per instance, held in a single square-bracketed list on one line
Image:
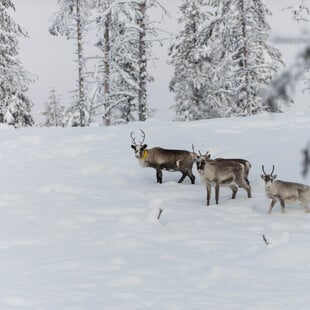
[(285, 192)]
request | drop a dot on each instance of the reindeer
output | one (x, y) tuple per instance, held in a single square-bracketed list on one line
[(285, 192), (245, 163), (164, 159), (221, 173)]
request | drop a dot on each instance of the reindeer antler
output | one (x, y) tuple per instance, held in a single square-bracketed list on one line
[(265, 171), (143, 136), (133, 139), (193, 148)]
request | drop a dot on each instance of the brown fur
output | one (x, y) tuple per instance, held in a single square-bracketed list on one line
[(167, 159), (245, 163), (219, 173)]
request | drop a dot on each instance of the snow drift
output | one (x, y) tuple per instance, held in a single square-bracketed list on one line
[(79, 227)]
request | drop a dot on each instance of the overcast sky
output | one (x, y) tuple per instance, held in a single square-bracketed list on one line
[(51, 59)]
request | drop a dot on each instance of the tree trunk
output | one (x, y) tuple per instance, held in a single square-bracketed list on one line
[(80, 65), (247, 98), (142, 92), (107, 117)]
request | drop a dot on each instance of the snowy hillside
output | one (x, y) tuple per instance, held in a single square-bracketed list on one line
[(79, 229)]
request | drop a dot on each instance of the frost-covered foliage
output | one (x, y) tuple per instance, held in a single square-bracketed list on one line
[(222, 59), (15, 106), (72, 21), (244, 61), (125, 39), (117, 80), (53, 112), (190, 58), (283, 88), (300, 11)]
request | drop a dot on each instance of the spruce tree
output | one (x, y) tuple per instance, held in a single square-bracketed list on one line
[(116, 75), (190, 61), (53, 110), (245, 60), (125, 38), (72, 21), (15, 106)]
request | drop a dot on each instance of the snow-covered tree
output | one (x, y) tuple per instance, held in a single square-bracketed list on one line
[(147, 34), (125, 37), (72, 21), (222, 58), (190, 58), (283, 87), (300, 11), (15, 106), (53, 110), (115, 74), (245, 60)]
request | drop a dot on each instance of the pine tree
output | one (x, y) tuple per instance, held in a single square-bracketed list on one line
[(125, 39), (190, 58), (15, 106), (115, 76), (245, 60), (53, 110), (146, 36), (71, 21)]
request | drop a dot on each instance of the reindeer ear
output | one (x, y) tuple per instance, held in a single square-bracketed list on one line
[(133, 147), (274, 177), (262, 176), (144, 146)]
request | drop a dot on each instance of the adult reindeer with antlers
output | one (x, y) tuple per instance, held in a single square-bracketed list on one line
[(164, 159), (285, 192)]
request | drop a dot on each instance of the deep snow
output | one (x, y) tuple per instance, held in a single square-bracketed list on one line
[(79, 228)]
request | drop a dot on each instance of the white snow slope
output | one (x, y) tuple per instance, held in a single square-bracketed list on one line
[(78, 227)]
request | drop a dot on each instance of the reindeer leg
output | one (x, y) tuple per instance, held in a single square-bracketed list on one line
[(217, 192), (273, 202), (234, 191), (191, 176), (282, 205), (184, 174), (159, 176), (208, 193), (249, 192), (246, 187)]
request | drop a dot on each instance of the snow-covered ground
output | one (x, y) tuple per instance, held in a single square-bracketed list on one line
[(79, 228)]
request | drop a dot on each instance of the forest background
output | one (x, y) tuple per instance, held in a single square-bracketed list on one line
[(52, 59)]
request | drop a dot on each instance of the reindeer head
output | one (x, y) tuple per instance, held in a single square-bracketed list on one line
[(268, 178), (139, 148), (201, 161)]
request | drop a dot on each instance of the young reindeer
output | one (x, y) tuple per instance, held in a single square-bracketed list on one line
[(245, 163), (221, 173), (164, 159), (285, 192)]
